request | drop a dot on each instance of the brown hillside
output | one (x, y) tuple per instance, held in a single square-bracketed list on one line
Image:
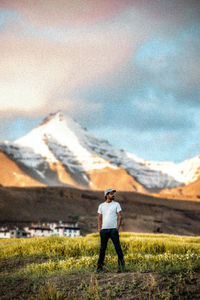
[(119, 179), (12, 175), (142, 213), (190, 191), (192, 188)]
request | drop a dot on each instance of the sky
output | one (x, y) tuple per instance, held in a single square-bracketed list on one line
[(127, 70)]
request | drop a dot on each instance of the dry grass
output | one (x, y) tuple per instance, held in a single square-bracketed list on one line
[(157, 267)]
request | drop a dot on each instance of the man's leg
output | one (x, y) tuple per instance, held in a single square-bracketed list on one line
[(104, 235), (115, 239)]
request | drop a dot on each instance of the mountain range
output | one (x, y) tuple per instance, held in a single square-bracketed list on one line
[(60, 152)]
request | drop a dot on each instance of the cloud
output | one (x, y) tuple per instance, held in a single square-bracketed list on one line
[(45, 61), (62, 12), (153, 144), (132, 66), (32, 71), (160, 112), (171, 66)]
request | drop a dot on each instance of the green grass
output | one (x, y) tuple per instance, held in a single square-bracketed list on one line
[(31, 264)]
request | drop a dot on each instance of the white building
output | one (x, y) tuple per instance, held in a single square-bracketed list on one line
[(13, 233), (62, 230), (18, 233), (53, 225), (4, 234), (68, 228), (40, 231)]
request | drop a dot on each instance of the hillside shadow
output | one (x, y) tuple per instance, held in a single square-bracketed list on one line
[(36, 167), (69, 162), (31, 163)]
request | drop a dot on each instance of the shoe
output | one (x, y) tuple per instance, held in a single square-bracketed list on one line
[(121, 268), (99, 269)]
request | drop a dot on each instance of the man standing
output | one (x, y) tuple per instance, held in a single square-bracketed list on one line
[(109, 221)]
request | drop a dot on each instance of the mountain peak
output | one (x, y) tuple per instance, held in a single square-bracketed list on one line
[(52, 116), (60, 139)]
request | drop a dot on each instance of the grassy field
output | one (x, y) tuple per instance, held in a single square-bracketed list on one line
[(158, 266)]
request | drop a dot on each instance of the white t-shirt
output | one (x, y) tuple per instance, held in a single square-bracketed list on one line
[(109, 214)]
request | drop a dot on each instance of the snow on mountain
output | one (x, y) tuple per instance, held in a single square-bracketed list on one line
[(12, 175), (60, 136), (29, 161), (187, 171), (60, 141)]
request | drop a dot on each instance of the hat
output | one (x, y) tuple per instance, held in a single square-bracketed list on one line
[(108, 191)]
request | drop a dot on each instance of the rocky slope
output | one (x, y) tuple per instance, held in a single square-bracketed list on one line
[(60, 152)]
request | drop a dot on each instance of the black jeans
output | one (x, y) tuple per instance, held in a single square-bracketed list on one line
[(105, 234)]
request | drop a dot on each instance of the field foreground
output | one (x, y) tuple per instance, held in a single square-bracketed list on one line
[(158, 266)]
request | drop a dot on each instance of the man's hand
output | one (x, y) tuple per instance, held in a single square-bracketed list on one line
[(119, 220), (99, 222)]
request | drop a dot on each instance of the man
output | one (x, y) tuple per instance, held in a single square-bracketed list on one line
[(109, 221)]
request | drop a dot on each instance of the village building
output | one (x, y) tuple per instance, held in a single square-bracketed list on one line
[(63, 230), (67, 228), (18, 233), (40, 231), (4, 234), (13, 233), (53, 225)]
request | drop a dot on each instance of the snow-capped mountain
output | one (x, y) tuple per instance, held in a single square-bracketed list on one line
[(60, 151)]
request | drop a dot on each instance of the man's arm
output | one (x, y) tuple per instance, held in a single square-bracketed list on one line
[(99, 222), (119, 219)]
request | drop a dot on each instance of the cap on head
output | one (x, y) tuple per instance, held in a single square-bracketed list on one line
[(108, 191)]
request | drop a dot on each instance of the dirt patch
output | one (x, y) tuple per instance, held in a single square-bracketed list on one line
[(15, 264), (127, 286), (131, 285)]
